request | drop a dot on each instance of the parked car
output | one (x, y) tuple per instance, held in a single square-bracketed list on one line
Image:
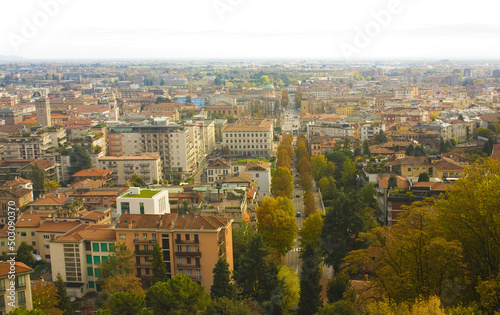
[(297, 196), (297, 214)]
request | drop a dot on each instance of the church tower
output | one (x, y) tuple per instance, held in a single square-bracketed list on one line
[(43, 117), (114, 113)]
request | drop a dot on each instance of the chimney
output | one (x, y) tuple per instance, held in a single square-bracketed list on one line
[(130, 225)]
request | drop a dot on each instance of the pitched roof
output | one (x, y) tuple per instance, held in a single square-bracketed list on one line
[(447, 164), (172, 221), (402, 181), (19, 268), (439, 186), (249, 125), (58, 226), (89, 232), (258, 166), (219, 163), (412, 160), (51, 200), (89, 183), (241, 178), (92, 172), (29, 220), (15, 190)]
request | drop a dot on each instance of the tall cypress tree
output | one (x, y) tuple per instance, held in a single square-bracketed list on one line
[(159, 268), (310, 288), (64, 301), (79, 159), (222, 286)]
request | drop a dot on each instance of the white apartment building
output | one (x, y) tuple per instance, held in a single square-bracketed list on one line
[(143, 201), (369, 130), (261, 172), (248, 138)]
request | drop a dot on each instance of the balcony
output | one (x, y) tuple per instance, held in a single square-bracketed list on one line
[(188, 254), (178, 241), (137, 241), (194, 277), (143, 252), (189, 266)]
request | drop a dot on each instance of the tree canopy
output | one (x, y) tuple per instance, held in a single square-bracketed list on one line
[(79, 159), (282, 183)]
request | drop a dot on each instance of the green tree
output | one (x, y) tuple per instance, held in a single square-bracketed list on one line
[(489, 293), (242, 235), (366, 148), (276, 223), (79, 159), (222, 286), (125, 303), (119, 262), (38, 177), (123, 283), (256, 276), (64, 303), (381, 138), (136, 181), (321, 167), (344, 220), (311, 230), (159, 268), (336, 287), (349, 172), (411, 259), (282, 183), (328, 188), (410, 150), (298, 97), (423, 177), (25, 254), (470, 215), (310, 288), (44, 295), (225, 306), (309, 203), (51, 185), (23, 311), (290, 287), (392, 182), (284, 98), (179, 295)]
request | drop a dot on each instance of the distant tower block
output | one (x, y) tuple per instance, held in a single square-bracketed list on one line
[(43, 117), (114, 113)]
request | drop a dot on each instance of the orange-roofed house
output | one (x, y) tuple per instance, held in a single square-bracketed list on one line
[(19, 294), (261, 172), (56, 203), (191, 244), (13, 193), (94, 174), (49, 230), (81, 252)]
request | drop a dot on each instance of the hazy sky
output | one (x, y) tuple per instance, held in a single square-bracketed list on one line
[(423, 29)]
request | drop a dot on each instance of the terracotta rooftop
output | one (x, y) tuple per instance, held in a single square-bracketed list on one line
[(250, 125), (89, 232), (29, 220), (18, 181), (219, 163), (431, 185), (89, 183), (15, 190), (20, 268), (172, 221), (92, 172), (241, 178), (258, 166), (58, 226), (412, 160), (402, 182), (51, 200), (447, 164)]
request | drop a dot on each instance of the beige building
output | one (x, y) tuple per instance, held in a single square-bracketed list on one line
[(18, 273), (82, 251), (147, 166), (248, 138), (191, 244)]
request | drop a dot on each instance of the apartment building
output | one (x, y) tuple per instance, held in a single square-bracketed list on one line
[(174, 143), (148, 166), (22, 290), (217, 169), (368, 131), (261, 172), (248, 138), (191, 244), (335, 130), (92, 173), (28, 145), (143, 201), (400, 115), (13, 193), (82, 251)]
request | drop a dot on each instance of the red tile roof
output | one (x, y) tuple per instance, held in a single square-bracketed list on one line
[(92, 172), (19, 268)]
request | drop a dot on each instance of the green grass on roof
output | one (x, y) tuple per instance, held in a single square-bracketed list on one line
[(145, 193)]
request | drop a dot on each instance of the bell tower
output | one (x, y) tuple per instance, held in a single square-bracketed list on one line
[(43, 117)]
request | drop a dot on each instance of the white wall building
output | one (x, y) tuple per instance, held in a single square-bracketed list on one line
[(143, 201)]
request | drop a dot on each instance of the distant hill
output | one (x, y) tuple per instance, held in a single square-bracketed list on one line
[(4, 58)]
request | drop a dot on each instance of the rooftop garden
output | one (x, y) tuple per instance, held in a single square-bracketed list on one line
[(144, 193)]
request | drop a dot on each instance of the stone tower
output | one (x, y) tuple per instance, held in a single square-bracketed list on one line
[(114, 113), (43, 117)]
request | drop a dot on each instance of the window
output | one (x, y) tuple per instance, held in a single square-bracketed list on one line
[(409, 169), (104, 247), (145, 236), (153, 237), (23, 233), (91, 284), (125, 207), (141, 207), (21, 298), (198, 273), (122, 236), (179, 248), (179, 260), (90, 271), (97, 272), (2, 302), (89, 259), (2, 285), (187, 237), (189, 272), (104, 258), (188, 248), (95, 247), (188, 261), (181, 271), (46, 237), (196, 238), (97, 260), (20, 282), (136, 236), (146, 271), (87, 246), (146, 247)]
